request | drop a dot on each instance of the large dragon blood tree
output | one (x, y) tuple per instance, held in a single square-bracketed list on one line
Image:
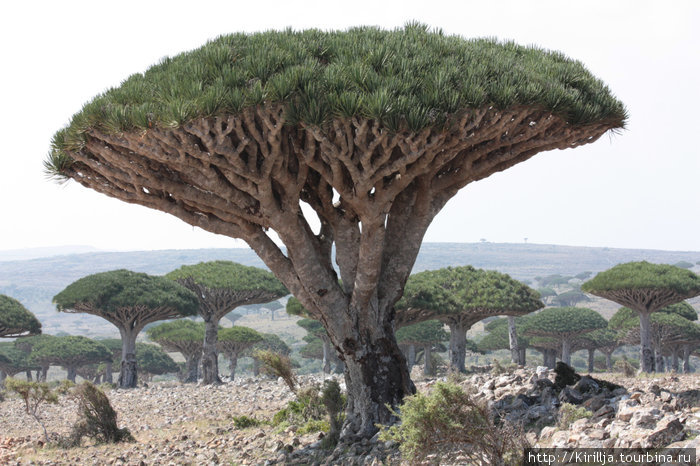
[(372, 130)]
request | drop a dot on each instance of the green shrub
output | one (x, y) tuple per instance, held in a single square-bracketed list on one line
[(569, 413), (314, 425), (449, 422), (34, 395), (334, 401), (96, 417), (278, 365), (244, 422)]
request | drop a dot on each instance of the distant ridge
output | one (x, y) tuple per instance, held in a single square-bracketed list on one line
[(48, 251), (35, 281)]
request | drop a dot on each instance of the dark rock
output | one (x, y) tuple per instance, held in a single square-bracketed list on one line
[(604, 412), (565, 375), (587, 385), (543, 383), (571, 396)]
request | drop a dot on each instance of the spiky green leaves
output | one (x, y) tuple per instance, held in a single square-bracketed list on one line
[(239, 335), (562, 322), (16, 320), (406, 78), (184, 330), (230, 275), (645, 276), (69, 351), (119, 289), (454, 290)]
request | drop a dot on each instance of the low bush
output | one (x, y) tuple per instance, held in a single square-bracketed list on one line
[(34, 395), (244, 422), (449, 423), (623, 365), (280, 366), (569, 413), (96, 417)]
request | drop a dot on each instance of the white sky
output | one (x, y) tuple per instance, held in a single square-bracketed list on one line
[(638, 189)]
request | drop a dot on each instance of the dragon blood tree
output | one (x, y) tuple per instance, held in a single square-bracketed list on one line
[(130, 301), (16, 320), (184, 336), (425, 335), (645, 288), (234, 341), (220, 287), (461, 297), (374, 130)]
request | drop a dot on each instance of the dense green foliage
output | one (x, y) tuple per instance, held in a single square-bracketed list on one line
[(406, 78), (153, 360), (96, 417), (69, 351), (295, 308), (185, 330), (14, 360), (313, 327), (111, 291), (15, 319), (270, 342), (644, 275), (422, 333), (682, 309), (230, 275), (453, 290), (240, 335), (561, 322), (498, 338)]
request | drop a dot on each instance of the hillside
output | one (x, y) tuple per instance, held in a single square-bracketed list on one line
[(34, 282)]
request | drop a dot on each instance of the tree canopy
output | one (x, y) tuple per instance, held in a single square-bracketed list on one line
[(16, 320), (70, 351), (232, 276), (564, 322), (423, 333), (107, 293), (153, 360)]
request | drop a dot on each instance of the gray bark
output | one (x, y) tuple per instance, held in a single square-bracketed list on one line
[(513, 341), (411, 357), (71, 373), (522, 357), (233, 362), (192, 368), (428, 368), (591, 360), (326, 363), (566, 351), (458, 346), (29, 375), (108, 372), (127, 373), (608, 361), (686, 359), (646, 356), (210, 363), (3, 376)]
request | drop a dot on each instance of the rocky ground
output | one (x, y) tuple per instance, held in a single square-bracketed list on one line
[(188, 424)]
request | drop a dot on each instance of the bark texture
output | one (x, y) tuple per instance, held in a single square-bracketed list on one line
[(374, 192), (513, 341)]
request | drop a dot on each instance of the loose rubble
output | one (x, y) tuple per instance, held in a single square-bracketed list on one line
[(181, 424)]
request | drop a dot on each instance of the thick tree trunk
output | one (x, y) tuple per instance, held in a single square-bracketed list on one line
[(192, 368), (210, 364), (97, 379), (256, 367), (326, 355), (458, 346), (411, 357), (428, 368), (591, 360), (3, 376), (513, 341), (522, 360), (71, 373), (658, 360), (29, 375), (646, 356), (233, 362), (376, 377), (108, 372), (550, 358), (127, 372), (608, 361), (686, 359), (566, 351)]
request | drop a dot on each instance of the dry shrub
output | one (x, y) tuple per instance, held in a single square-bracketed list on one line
[(279, 366), (448, 424), (96, 418)]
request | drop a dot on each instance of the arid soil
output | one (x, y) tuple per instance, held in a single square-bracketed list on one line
[(188, 424)]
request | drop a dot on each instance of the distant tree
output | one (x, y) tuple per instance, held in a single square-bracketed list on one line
[(221, 287), (684, 265), (569, 298), (184, 336), (554, 280), (583, 275), (562, 324), (682, 309), (498, 337), (424, 335), (604, 340), (129, 301), (115, 345), (645, 288), (460, 297), (152, 360), (547, 294), (14, 361), (16, 320), (234, 341), (70, 352), (26, 345)]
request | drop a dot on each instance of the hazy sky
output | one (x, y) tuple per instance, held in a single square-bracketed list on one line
[(638, 189)]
